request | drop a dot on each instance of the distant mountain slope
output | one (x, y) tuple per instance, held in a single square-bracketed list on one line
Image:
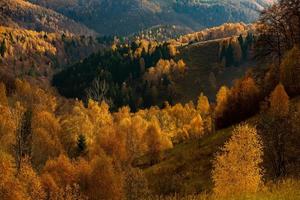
[(37, 55), (129, 16), (22, 14)]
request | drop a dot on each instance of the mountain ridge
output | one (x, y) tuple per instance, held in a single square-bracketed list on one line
[(25, 15), (128, 16)]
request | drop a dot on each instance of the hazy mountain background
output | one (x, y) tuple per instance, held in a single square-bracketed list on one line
[(25, 15), (124, 17)]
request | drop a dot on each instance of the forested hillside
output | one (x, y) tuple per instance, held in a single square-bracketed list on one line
[(37, 55), (139, 75), (146, 73), (211, 115), (129, 16), (23, 14)]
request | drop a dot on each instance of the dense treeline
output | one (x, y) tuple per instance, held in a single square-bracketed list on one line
[(52, 148), (31, 54), (104, 15), (235, 52), (279, 42), (122, 75), (23, 14), (57, 149), (219, 32)]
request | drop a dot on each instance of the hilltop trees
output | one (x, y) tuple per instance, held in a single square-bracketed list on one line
[(236, 51), (237, 170), (128, 75)]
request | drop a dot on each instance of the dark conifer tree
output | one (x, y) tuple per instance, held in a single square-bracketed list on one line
[(229, 56), (81, 145)]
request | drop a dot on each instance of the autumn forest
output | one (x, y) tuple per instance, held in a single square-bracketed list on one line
[(97, 103)]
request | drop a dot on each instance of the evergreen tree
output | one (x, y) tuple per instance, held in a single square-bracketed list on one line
[(229, 56), (81, 144), (244, 45), (241, 40), (223, 51), (3, 48)]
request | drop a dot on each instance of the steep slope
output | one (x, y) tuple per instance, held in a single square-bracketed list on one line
[(205, 72), (22, 14), (129, 16), (186, 169), (36, 55)]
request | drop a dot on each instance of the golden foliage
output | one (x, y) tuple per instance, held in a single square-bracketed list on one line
[(156, 141), (46, 142), (7, 128), (222, 101), (223, 31), (34, 97), (203, 105), (237, 169), (165, 67), (279, 102), (10, 186), (3, 97), (31, 182), (105, 177)]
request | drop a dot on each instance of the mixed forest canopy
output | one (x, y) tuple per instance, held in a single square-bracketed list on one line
[(97, 118), (125, 17)]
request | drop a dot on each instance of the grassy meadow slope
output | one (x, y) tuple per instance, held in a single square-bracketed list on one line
[(186, 168), (204, 71)]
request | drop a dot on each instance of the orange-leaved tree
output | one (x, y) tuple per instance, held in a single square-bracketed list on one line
[(237, 168)]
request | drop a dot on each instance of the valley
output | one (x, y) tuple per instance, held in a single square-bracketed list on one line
[(129, 16), (149, 100)]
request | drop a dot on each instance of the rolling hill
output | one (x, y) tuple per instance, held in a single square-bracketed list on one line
[(23, 14), (124, 17), (37, 55), (204, 71), (186, 169)]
